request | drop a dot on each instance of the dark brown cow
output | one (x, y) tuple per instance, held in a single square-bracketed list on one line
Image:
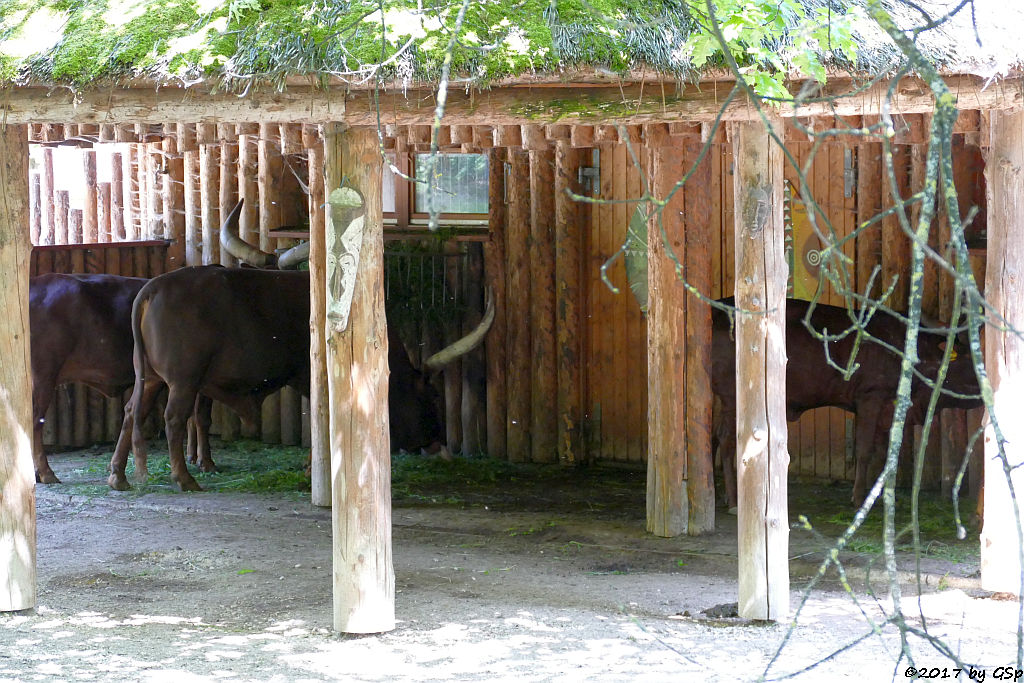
[(81, 332), (238, 335), (811, 382)]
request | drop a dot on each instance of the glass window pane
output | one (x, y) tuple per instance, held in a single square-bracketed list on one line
[(388, 186), (459, 183)]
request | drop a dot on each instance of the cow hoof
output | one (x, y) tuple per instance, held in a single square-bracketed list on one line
[(207, 466), (118, 482), (140, 475), (47, 478), (189, 484)]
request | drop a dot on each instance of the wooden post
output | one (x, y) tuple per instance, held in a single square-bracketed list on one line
[(35, 206), (209, 194), (17, 504), (474, 372), (667, 505), (174, 203), (227, 197), (128, 177), (494, 274), (228, 193), (193, 219), (268, 160), (90, 231), (61, 208), (543, 392), (319, 422), (452, 372), (869, 204), (518, 315), (116, 198), (761, 434), (568, 254), (1004, 354), (103, 211), (700, 475), (364, 578), (248, 189), (47, 229), (154, 188)]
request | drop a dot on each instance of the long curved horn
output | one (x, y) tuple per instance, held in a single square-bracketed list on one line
[(239, 248), (291, 258), (463, 346)]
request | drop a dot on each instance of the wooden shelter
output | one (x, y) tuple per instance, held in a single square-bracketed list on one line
[(574, 372)]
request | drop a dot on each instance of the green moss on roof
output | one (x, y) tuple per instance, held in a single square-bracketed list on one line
[(91, 42), (82, 41)]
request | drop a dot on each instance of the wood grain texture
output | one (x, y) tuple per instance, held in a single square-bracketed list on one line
[(17, 505), (519, 326), (1004, 352), (667, 503), (761, 432), (319, 420), (364, 578)]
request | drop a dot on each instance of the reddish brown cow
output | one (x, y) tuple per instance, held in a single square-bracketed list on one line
[(811, 382)]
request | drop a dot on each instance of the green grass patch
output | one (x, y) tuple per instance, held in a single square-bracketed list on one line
[(830, 513)]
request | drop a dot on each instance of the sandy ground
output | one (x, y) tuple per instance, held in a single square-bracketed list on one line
[(234, 587)]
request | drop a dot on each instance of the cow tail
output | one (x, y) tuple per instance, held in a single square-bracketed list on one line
[(139, 308)]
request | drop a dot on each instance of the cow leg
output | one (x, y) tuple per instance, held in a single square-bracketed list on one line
[(181, 402), (725, 435), (132, 438), (868, 423), (42, 394), (201, 418)]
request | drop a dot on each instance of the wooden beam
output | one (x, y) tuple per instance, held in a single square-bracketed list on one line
[(494, 277), (543, 350), (761, 433), (568, 293), (582, 136), (517, 247), (533, 137), (667, 505), (630, 103), (364, 577), (1004, 354), (319, 422), (507, 136), (18, 503), (268, 162)]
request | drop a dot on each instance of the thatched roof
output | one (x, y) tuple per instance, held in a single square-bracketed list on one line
[(97, 43)]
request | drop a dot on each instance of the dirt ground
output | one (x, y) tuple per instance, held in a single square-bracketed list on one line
[(564, 585)]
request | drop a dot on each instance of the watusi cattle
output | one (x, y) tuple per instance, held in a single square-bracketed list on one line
[(811, 382), (80, 329), (238, 335)]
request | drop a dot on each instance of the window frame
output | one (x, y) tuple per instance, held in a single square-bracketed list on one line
[(405, 219)]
